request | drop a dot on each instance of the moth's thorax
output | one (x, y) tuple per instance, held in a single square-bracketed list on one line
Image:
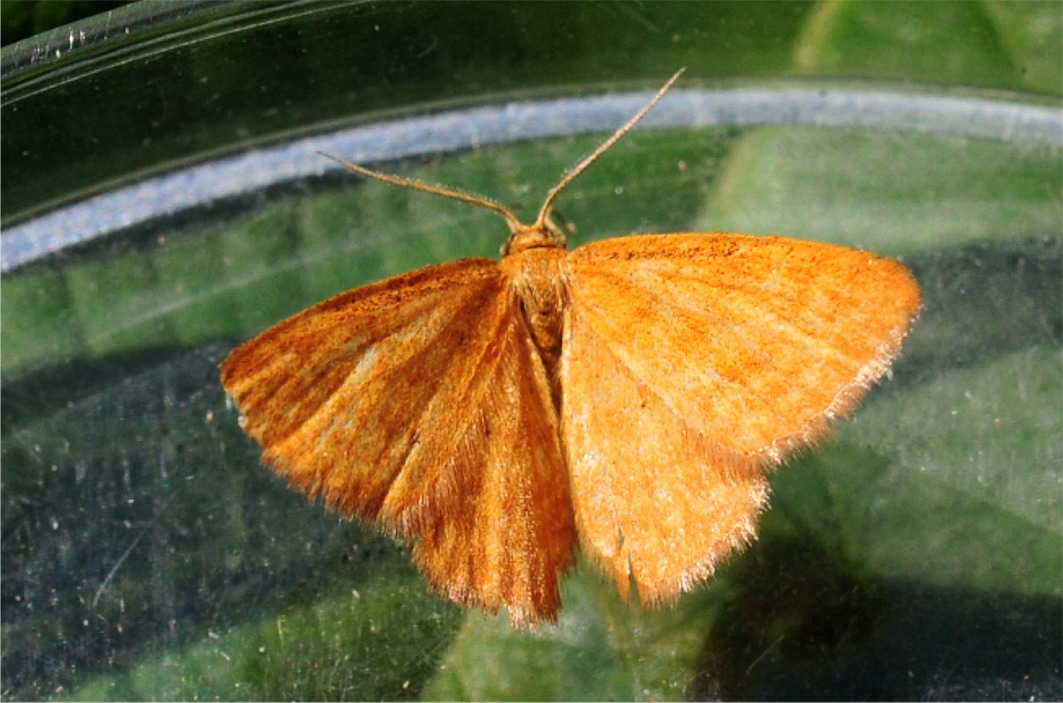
[(534, 276)]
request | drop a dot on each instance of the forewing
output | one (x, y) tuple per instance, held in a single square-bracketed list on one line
[(507, 540), (692, 361), (417, 404)]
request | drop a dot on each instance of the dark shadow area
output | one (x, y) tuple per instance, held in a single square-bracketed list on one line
[(802, 624), (136, 519)]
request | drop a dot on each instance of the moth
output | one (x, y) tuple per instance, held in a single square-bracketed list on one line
[(624, 399)]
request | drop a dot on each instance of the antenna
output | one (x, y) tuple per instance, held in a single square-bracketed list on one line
[(511, 219), (542, 221), (602, 148)]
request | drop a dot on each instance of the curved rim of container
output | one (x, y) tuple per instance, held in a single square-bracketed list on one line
[(812, 103)]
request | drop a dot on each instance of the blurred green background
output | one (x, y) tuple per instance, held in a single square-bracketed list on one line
[(146, 554)]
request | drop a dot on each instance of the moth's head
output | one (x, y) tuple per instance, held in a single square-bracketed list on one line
[(544, 232)]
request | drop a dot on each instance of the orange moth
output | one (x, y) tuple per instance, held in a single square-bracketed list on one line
[(624, 398)]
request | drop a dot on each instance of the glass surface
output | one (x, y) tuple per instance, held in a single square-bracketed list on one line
[(147, 554)]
